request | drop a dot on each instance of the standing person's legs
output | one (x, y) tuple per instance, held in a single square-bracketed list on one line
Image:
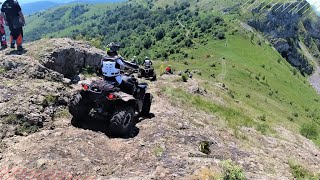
[(12, 40), (20, 38), (16, 36)]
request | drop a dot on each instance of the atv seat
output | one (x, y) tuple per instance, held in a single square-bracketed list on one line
[(128, 84)]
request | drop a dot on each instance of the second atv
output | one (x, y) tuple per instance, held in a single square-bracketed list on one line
[(148, 73)]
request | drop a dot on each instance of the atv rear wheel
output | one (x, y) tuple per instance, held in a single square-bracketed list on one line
[(145, 112), (79, 108), (121, 122)]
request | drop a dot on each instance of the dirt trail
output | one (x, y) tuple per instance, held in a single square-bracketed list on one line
[(159, 151)]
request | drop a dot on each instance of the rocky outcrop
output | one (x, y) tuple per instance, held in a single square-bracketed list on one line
[(33, 86), (67, 56), (284, 26)]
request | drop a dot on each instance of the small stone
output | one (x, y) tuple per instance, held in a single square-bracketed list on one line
[(58, 134), (66, 81)]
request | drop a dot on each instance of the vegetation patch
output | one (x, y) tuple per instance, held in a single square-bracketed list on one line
[(24, 127), (49, 100), (2, 70), (158, 151), (62, 113), (309, 130), (234, 117), (231, 171), (89, 71), (184, 77), (301, 173)]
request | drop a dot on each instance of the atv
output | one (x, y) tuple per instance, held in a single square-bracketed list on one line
[(148, 73), (102, 100)]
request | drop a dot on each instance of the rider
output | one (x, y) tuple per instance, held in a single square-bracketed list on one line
[(147, 62), (169, 70), (110, 66), (188, 73)]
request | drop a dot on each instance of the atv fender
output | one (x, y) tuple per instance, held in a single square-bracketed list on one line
[(127, 97)]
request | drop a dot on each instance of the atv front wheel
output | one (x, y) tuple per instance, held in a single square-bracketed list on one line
[(121, 122), (79, 108), (154, 77), (145, 112)]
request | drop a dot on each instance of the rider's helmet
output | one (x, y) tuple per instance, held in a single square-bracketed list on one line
[(113, 48), (147, 58)]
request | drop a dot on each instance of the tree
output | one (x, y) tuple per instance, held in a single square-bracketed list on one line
[(160, 33)]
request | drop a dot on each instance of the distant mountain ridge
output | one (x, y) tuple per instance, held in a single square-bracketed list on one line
[(37, 6)]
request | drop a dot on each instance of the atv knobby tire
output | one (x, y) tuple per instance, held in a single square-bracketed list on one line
[(79, 108), (154, 77), (121, 122), (145, 112)]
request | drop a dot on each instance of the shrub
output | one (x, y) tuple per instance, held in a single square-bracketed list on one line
[(2, 70), (309, 130), (158, 151), (160, 33), (220, 35), (184, 78), (299, 172), (263, 128), (262, 118), (232, 171), (49, 100)]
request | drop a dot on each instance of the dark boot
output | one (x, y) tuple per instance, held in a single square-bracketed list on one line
[(4, 46), (20, 48), (12, 46)]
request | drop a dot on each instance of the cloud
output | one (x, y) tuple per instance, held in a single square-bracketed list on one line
[(315, 4)]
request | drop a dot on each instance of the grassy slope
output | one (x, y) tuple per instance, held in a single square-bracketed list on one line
[(257, 76)]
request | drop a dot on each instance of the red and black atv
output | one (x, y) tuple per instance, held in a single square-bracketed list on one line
[(103, 100)]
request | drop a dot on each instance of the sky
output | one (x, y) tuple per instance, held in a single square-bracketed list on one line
[(29, 1), (315, 4)]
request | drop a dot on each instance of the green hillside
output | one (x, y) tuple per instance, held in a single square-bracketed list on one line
[(260, 89)]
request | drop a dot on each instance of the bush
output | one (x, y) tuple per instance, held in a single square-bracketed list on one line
[(262, 118), (160, 33), (221, 35), (184, 78), (299, 172), (232, 171), (309, 130), (263, 128), (49, 100)]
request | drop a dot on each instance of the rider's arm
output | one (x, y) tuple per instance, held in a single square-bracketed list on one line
[(127, 64)]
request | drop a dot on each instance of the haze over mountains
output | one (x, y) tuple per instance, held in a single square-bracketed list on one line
[(67, 1), (33, 6)]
